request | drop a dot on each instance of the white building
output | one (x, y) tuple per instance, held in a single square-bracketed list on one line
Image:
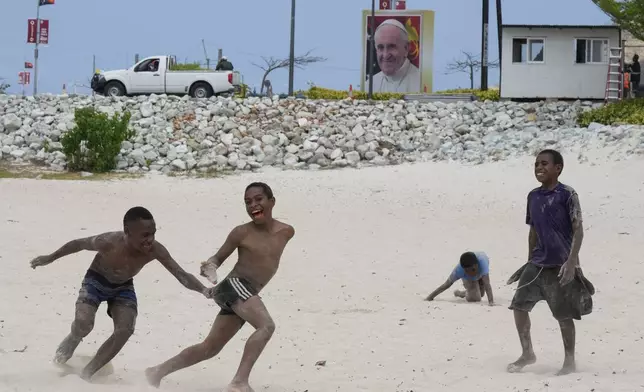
[(556, 62)]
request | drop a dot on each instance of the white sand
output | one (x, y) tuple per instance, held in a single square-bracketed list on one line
[(369, 246)]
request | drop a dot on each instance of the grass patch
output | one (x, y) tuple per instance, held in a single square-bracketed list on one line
[(628, 111), (22, 172)]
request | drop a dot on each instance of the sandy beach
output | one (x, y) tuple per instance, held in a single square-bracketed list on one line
[(370, 244)]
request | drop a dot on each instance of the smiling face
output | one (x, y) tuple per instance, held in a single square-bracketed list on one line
[(545, 170), (391, 49), (140, 234), (258, 205)]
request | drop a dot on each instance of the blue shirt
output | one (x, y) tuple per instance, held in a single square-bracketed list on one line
[(551, 214), (484, 269)]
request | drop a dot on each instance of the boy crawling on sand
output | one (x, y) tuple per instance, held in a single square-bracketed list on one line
[(474, 270), (552, 272), (120, 256), (260, 244)]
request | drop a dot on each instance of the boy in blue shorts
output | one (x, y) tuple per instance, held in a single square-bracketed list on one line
[(552, 272), (474, 270)]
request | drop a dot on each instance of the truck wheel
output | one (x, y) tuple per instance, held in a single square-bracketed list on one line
[(201, 90), (114, 89)]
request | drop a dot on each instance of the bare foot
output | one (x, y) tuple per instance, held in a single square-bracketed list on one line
[(66, 350), (568, 367), (459, 293), (239, 387), (152, 375), (523, 361)]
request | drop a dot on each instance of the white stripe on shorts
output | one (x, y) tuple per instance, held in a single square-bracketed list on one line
[(240, 289)]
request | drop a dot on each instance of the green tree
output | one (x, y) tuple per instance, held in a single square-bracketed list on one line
[(3, 86), (627, 14)]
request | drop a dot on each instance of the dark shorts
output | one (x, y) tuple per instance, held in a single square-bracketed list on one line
[(565, 302), (96, 289), (231, 290)]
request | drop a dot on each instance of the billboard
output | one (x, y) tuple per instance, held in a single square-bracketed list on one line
[(403, 55)]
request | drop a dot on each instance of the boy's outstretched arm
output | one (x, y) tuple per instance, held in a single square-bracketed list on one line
[(488, 289), (230, 244), (189, 281), (95, 243), (448, 283)]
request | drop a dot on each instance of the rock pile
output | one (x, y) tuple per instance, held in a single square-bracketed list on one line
[(183, 134)]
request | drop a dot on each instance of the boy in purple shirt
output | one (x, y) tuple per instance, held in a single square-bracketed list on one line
[(552, 273)]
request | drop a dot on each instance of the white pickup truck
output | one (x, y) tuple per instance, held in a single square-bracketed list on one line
[(154, 75)]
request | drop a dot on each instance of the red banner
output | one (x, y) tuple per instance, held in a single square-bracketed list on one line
[(44, 31), (24, 77), (401, 4), (28, 65), (31, 31), (385, 4)]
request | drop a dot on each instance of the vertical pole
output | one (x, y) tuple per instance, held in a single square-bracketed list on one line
[(93, 70), (372, 32), (291, 62), (484, 40), (220, 54), (499, 31), (36, 48)]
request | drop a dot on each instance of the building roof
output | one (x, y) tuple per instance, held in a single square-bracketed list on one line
[(546, 26)]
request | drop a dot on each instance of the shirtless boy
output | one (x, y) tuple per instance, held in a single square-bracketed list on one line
[(474, 270), (120, 256), (552, 272), (259, 244)]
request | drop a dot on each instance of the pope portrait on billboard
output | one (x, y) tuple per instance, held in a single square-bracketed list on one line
[(402, 51)]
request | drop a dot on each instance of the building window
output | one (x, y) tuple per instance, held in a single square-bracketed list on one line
[(591, 51), (528, 50)]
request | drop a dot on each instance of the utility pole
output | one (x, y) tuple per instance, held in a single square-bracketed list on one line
[(291, 62), (484, 48), (220, 54), (499, 23), (36, 48), (372, 47)]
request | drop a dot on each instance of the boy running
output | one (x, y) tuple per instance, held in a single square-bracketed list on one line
[(474, 270), (120, 256), (259, 244), (552, 273)]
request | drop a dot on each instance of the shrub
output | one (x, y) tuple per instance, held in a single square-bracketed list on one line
[(325, 93), (489, 95), (629, 111), (186, 67), (96, 140)]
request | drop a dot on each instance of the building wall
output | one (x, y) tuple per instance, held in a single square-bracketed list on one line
[(558, 76), (632, 46)]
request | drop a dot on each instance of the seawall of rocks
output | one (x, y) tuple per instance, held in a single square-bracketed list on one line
[(184, 134)]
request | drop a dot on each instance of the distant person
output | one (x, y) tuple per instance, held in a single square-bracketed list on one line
[(397, 74), (552, 273), (224, 65), (636, 72), (473, 270)]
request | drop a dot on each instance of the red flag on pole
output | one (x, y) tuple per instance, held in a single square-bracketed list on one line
[(46, 2), (28, 65)]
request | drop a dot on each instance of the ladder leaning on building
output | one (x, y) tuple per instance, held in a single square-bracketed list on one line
[(615, 76)]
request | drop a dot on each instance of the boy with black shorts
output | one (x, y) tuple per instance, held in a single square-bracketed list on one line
[(259, 244), (120, 256), (552, 273)]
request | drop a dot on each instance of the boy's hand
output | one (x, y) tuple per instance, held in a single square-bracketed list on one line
[(41, 261), (209, 271), (209, 292), (566, 273)]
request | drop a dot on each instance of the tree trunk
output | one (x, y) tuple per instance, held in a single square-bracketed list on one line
[(471, 77)]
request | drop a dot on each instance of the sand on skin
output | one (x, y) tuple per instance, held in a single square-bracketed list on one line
[(370, 245)]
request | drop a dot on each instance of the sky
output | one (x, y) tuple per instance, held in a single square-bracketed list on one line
[(115, 30)]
